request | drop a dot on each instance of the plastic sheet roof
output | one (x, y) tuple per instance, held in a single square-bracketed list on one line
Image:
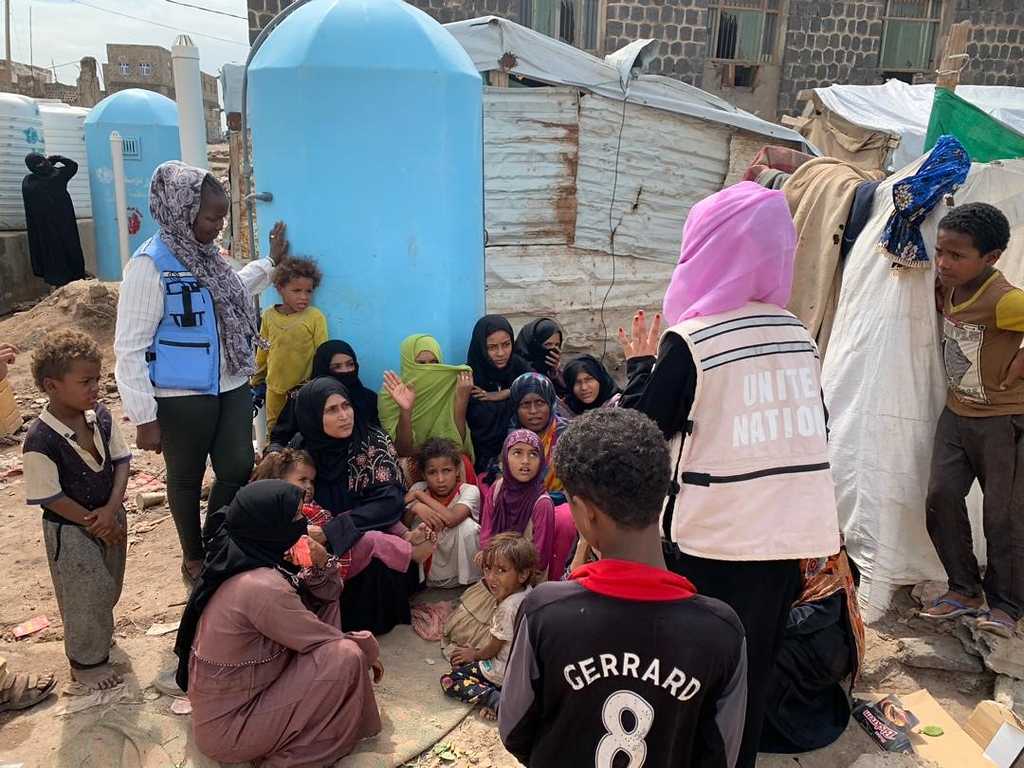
[(494, 43)]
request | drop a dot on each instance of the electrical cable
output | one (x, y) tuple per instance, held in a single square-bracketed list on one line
[(208, 10), (613, 229), (158, 24)]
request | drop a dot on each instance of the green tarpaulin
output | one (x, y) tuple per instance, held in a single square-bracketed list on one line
[(984, 137)]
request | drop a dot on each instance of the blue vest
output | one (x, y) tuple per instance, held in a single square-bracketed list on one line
[(185, 353)]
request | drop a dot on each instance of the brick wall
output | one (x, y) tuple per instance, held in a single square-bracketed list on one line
[(996, 47), (680, 25), (445, 11), (830, 42)]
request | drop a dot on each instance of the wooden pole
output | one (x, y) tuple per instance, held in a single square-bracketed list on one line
[(954, 57)]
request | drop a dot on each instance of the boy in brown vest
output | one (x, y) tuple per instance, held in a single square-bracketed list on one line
[(980, 434)]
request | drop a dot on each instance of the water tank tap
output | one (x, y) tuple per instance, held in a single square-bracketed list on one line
[(263, 197)]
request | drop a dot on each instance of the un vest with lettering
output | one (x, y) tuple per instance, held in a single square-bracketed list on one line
[(753, 472), (185, 353)]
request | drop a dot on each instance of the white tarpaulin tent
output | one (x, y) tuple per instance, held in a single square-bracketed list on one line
[(884, 386), (903, 110)]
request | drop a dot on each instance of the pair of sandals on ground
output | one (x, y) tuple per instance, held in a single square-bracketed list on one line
[(952, 605)]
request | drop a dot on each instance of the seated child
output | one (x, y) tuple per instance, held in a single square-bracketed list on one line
[(394, 548), (510, 568), (76, 469), (449, 508), (596, 657), (518, 502), (980, 434), (293, 330)]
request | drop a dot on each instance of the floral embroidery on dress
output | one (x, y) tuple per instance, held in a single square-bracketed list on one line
[(914, 198)]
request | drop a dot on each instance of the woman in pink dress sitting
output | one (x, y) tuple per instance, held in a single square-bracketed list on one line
[(270, 675)]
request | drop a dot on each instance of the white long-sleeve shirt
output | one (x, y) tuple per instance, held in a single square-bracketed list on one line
[(140, 308)]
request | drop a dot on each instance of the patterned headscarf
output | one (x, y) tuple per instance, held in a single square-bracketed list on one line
[(513, 506), (914, 197), (175, 194), (534, 383)]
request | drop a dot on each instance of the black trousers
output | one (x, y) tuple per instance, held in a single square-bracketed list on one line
[(761, 593), (991, 450), (192, 428)]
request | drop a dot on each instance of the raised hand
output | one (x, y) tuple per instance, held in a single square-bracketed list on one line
[(641, 343), (278, 243), (403, 394), (464, 385), (553, 358)]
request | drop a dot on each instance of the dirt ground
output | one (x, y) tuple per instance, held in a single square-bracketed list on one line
[(153, 592)]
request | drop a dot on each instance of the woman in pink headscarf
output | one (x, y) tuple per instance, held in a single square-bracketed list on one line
[(736, 389)]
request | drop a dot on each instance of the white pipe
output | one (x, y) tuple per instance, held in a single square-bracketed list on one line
[(120, 196), (188, 92)]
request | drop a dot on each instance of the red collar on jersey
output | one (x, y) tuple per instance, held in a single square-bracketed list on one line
[(629, 580)]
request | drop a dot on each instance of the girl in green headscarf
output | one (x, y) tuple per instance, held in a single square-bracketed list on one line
[(429, 400)]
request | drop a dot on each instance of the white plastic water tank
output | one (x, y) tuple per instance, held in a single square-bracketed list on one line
[(64, 134), (21, 132)]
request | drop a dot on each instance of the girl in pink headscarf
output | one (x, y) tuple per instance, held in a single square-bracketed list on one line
[(736, 389)]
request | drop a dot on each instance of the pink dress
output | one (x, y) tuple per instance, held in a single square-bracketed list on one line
[(540, 529), (271, 680)]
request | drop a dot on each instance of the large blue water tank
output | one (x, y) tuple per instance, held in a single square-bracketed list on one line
[(367, 123), (148, 124)]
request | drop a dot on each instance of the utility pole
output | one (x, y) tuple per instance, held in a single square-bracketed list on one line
[(7, 39)]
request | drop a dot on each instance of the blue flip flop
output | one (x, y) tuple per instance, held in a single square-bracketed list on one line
[(961, 609), (1001, 627)]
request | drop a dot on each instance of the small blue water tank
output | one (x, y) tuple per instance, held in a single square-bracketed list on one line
[(148, 124), (367, 124)]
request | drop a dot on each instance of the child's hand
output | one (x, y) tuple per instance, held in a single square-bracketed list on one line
[(104, 525), (403, 394), (147, 436), (378, 671), (7, 353), (316, 533), (641, 342), (278, 243), (461, 656), (428, 515)]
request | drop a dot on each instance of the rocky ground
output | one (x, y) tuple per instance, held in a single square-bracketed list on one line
[(904, 653)]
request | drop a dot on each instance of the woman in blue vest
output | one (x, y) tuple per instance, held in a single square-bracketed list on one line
[(185, 339)]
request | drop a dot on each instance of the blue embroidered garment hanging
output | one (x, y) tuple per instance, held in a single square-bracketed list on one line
[(914, 197)]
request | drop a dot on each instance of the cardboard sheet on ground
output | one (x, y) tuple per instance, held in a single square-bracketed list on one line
[(884, 385)]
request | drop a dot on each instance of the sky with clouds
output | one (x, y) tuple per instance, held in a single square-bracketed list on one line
[(64, 31)]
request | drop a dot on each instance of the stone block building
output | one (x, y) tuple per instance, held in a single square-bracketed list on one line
[(149, 67), (759, 54)]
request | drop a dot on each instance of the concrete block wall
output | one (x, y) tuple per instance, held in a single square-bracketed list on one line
[(996, 47), (679, 25), (830, 42)]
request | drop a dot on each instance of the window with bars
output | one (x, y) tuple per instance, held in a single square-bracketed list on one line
[(145, 69), (124, 68), (577, 22), (743, 30), (908, 38)]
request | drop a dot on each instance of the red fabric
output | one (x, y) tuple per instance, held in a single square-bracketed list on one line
[(565, 540), (628, 580), (775, 158), (467, 466)]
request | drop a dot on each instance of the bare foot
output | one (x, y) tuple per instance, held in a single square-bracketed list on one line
[(422, 539), (101, 678), (488, 714)]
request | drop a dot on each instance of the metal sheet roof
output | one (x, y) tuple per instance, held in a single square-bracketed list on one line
[(494, 43)]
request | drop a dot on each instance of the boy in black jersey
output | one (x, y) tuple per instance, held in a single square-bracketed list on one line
[(624, 665)]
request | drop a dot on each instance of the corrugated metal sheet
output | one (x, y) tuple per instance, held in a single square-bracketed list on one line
[(530, 154), (667, 163), (524, 282)]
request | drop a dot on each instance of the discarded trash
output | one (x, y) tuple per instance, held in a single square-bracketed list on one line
[(31, 626), (181, 707), (163, 629), (932, 730), (431, 662), (78, 703)]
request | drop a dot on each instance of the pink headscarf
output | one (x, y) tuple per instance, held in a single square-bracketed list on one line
[(738, 246)]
